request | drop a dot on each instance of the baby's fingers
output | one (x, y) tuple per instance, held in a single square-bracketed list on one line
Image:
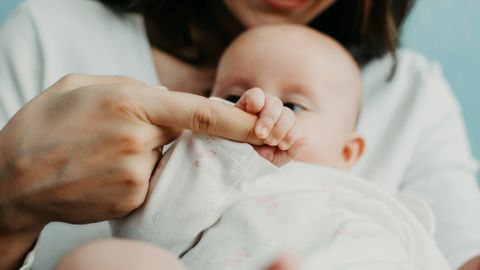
[(295, 133), (268, 117), (252, 101), (280, 157), (297, 147), (283, 125)]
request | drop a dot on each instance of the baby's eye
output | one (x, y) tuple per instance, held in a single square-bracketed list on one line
[(233, 98), (293, 107)]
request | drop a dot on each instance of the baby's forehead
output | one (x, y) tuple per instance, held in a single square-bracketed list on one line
[(303, 59), (291, 49), (288, 39), (287, 45)]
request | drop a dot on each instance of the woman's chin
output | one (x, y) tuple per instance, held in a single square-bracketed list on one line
[(285, 5)]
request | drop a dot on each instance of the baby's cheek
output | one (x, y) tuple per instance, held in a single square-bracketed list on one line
[(326, 137), (324, 149), (316, 154)]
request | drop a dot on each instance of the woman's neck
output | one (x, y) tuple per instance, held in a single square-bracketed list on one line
[(179, 76)]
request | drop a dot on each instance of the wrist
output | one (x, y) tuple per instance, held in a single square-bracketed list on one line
[(14, 246), (17, 235), (15, 216)]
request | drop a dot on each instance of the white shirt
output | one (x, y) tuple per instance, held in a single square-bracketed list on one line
[(416, 141), (219, 205)]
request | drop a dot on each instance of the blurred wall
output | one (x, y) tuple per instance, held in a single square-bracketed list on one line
[(6, 7), (447, 31)]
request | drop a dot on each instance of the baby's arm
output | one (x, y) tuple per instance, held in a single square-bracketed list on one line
[(276, 125)]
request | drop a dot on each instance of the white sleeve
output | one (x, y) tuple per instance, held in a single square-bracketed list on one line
[(331, 219), (442, 172), (20, 63), (198, 177)]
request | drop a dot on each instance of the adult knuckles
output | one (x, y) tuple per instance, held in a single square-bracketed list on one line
[(131, 143), (21, 167), (127, 80), (71, 81), (206, 120), (123, 100), (126, 205), (133, 181), (135, 176)]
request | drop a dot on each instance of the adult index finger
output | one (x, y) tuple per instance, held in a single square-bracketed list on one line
[(77, 80), (188, 111)]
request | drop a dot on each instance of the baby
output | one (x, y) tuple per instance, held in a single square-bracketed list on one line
[(312, 75), (219, 204)]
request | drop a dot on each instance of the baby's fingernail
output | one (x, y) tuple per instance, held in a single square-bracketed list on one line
[(272, 140), (263, 131), (283, 145)]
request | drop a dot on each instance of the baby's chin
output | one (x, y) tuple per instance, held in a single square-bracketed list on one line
[(313, 160)]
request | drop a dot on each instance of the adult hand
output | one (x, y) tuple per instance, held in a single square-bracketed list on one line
[(83, 151), (472, 264)]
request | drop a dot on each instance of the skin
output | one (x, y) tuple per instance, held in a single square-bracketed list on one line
[(238, 70), (20, 238), (314, 75), (109, 129), (257, 12), (118, 253), (339, 148), (274, 121), (129, 254)]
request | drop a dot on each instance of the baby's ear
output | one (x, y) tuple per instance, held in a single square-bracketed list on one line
[(351, 152)]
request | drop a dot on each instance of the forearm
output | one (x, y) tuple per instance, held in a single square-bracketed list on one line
[(14, 247), (473, 264)]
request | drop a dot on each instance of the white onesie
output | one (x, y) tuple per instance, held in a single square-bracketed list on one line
[(218, 205)]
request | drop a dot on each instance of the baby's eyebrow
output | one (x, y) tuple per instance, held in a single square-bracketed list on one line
[(299, 89)]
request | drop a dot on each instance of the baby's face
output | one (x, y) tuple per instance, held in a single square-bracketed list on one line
[(305, 79)]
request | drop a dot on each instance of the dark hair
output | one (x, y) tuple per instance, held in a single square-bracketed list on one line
[(197, 31)]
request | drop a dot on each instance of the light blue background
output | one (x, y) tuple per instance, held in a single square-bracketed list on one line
[(447, 31)]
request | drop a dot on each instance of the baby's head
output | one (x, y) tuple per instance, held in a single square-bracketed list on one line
[(312, 74)]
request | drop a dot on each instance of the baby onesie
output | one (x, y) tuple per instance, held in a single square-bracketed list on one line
[(218, 205)]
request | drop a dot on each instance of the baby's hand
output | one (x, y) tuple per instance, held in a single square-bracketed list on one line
[(276, 125)]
